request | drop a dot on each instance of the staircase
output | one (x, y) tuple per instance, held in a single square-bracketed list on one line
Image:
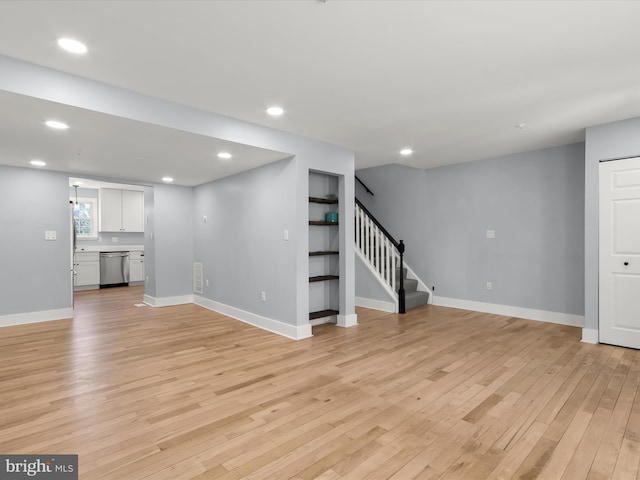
[(412, 296), (384, 257)]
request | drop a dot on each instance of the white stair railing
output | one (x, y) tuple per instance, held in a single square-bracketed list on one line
[(376, 245)]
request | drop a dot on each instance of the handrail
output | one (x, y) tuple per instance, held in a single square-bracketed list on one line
[(365, 187), (379, 225)]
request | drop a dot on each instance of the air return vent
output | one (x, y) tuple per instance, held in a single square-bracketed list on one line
[(197, 277)]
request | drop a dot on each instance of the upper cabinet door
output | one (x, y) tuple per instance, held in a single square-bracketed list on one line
[(121, 210), (110, 210), (132, 211)]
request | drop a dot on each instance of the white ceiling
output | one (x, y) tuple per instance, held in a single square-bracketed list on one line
[(107, 146), (450, 79)]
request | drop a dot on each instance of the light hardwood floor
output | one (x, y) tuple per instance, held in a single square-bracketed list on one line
[(185, 393)]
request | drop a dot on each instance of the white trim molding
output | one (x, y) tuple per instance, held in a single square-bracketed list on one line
[(323, 321), (509, 311), (374, 304), (36, 317), (167, 301), (589, 335), (294, 332), (348, 320)]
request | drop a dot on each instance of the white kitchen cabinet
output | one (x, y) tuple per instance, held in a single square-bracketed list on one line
[(121, 210), (87, 270), (136, 267)]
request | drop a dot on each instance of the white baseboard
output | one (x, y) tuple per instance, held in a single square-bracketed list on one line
[(269, 324), (509, 311), (35, 317), (167, 301), (381, 305), (348, 320), (590, 335), (324, 320)]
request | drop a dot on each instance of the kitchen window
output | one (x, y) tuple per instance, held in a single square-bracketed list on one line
[(84, 218)]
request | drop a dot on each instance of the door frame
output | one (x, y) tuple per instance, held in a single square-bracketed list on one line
[(600, 232)]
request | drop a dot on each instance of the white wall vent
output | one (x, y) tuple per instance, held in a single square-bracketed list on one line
[(198, 277)]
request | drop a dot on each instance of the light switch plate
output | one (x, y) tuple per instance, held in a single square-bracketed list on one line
[(491, 234), (50, 235)]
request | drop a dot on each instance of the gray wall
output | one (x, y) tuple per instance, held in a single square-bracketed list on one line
[(603, 142), (149, 244), (533, 201), (172, 230), (367, 286), (241, 245), (34, 273)]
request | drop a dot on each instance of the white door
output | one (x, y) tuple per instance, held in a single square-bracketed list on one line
[(620, 252)]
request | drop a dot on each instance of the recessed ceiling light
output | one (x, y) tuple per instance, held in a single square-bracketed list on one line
[(71, 45), (225, 155), (167, 179), (406, 151), (56, 124), (275, 111), (38, 163)]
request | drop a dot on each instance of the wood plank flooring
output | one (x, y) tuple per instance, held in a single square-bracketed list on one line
[(185, 393)]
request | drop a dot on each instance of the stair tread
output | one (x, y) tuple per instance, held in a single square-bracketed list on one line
[(416, 299), (410, 285), (416, 294), (324, 252), (322, 313)]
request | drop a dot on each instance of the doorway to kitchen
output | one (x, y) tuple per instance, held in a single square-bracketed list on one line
[(108, 243)]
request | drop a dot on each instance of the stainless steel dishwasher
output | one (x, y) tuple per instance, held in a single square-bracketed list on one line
[(114, 269)]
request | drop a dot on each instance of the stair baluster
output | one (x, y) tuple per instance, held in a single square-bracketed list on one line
[(381, 250)]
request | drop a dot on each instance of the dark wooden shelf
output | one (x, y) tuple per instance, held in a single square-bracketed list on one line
[(321, 222), (322, 313), (322, 278), (331, 252), (331, 201)]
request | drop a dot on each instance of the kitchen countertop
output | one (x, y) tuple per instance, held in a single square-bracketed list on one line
[(112, 248)]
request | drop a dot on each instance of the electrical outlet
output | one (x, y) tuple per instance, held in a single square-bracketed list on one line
[(146, 279), (204, 219), (206, 282), (491, 234), (263, 296), (489, 286), (285, 235)]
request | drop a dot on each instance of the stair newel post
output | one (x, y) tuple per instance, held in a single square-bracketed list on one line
[(401, 302)]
